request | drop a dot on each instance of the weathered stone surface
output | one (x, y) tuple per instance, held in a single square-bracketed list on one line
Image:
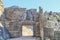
[(25, 38), (41, 22), (48, 33), (57, 35), (15, 13), (15, 17), (31, 14)]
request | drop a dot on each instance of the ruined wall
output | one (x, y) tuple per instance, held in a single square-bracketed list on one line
[(15, 18)]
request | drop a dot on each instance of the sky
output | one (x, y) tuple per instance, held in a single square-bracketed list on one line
[(47, 5)]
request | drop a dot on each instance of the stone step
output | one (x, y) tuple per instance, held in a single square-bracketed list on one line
[(25, 38)]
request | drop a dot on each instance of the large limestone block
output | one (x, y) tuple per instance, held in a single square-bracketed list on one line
[(1, 8)]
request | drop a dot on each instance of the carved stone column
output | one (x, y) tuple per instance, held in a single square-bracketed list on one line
[(41, 22)]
